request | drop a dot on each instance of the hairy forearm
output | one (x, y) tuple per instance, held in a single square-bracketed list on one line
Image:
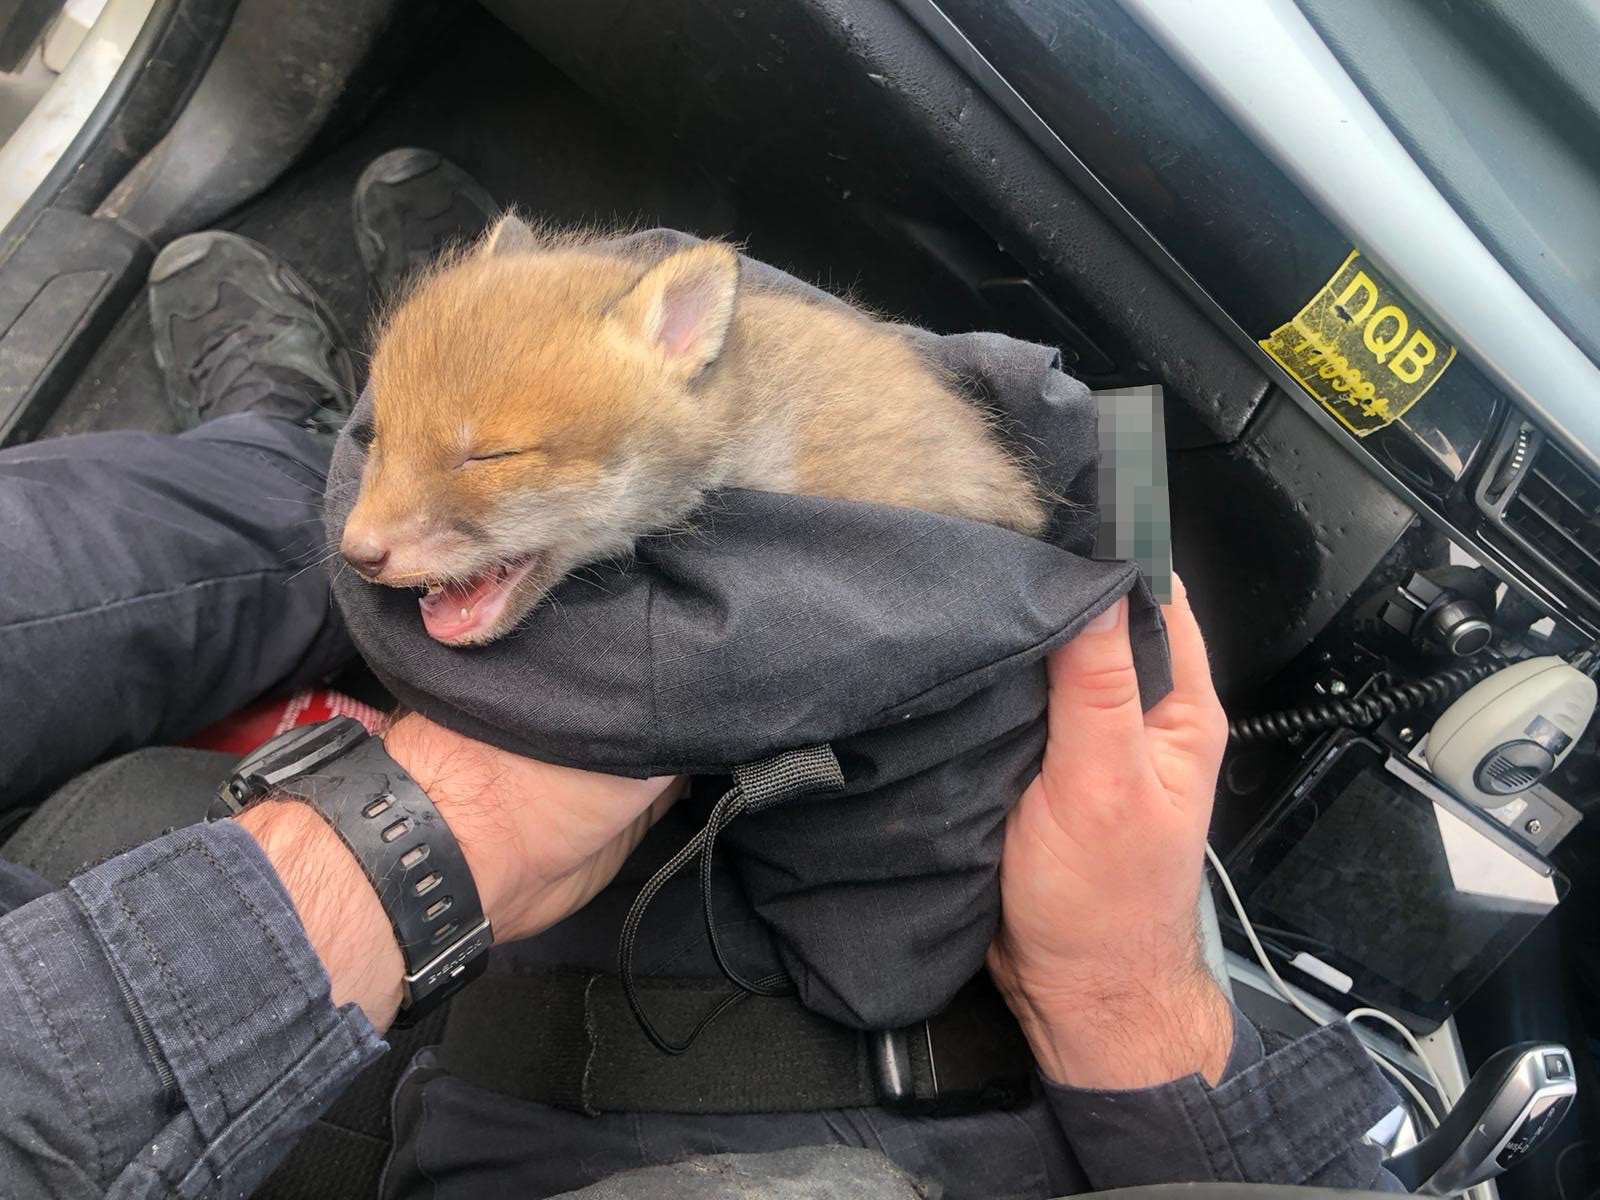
[(1129, 1032), (343, 918), (539, 841), (344, 922)]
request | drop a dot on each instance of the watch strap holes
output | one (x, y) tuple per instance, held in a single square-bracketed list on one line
[(378, 807), (413, 856), (438, 908)]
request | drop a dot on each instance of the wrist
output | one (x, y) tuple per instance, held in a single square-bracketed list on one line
[(1118, 1028), (343, 919)]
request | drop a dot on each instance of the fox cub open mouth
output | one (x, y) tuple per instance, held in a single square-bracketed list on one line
[(544, 399)]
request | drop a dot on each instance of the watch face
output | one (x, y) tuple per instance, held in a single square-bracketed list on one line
[(293, 753)]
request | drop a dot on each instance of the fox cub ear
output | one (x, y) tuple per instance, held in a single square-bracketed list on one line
[(510, 235), (683, 306)]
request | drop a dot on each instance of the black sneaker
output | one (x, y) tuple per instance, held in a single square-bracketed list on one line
[(236, 330), (409, 205)]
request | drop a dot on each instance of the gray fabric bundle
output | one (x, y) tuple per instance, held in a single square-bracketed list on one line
[(804, 1173), (911, 643)]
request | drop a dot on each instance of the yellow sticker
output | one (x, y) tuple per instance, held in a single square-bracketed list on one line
[(1360, 350)]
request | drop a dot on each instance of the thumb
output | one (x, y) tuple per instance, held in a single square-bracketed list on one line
[(1094, 691)]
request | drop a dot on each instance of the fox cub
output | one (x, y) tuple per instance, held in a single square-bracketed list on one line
[(542, 401)]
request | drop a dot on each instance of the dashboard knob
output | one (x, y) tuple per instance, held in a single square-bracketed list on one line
[(1459, 627)]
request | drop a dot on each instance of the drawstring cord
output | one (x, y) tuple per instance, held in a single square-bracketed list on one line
[(702, 845), (776, 984), (757, 786)]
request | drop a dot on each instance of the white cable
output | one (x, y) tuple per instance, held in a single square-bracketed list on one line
[(1377, 1014), (1399, 1076), (1287, 993)]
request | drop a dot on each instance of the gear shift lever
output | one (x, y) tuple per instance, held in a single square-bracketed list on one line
[(1514, 1100)]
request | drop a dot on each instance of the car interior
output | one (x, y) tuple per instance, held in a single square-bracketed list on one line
[(1160, 200)]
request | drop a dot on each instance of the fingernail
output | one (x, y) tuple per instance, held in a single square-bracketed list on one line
[(1108, 620)]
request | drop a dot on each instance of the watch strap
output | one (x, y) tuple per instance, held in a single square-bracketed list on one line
[(413, 861)]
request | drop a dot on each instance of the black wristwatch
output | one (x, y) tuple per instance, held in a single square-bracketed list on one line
[(397, 835)]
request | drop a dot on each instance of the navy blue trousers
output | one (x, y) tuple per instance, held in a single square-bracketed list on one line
[(152, 584)]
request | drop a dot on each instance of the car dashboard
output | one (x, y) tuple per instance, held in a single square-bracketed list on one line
[(1501, 465)]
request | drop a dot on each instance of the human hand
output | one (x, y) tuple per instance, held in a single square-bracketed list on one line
[(540, 840), (1099, 946)]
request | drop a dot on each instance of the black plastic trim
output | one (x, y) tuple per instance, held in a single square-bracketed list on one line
[(1498, 491), (62, 286)]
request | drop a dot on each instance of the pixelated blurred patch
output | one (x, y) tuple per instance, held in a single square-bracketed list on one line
[(1135, 519)]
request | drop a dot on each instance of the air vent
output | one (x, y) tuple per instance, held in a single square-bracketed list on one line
[(1549, 505)]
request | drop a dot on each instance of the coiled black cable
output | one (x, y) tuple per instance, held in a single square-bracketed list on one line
[(1362, 710)]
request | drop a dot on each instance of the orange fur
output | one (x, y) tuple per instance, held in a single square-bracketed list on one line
[(624, 392)]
